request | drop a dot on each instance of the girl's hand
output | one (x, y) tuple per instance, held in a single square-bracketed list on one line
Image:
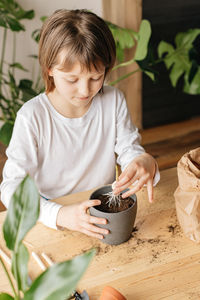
[(75, 217), (139, 172)]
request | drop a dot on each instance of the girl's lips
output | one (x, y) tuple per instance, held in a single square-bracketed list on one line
[(83, 98)]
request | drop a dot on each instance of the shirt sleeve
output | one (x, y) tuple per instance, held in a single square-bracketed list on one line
[(128, 139), (22, 160), (127, 146)]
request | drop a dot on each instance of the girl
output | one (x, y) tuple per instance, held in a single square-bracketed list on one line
[(67, 137)]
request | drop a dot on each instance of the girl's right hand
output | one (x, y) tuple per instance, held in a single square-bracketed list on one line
[(75, 217)]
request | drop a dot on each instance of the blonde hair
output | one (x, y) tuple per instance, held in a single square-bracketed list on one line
[(85, 37)]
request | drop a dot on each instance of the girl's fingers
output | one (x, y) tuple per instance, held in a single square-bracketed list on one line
[(119, 189), (86, 204), (123, 179), (136, 188), (126, 176), (93, 220), (90, 233), (94, 228), (150, 190)]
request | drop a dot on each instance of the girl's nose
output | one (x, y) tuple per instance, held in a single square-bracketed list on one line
[(84, 89)]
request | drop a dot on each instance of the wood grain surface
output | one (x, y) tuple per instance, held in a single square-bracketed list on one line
[(158, 262)]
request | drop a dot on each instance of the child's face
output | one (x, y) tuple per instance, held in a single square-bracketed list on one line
[(78, 86)]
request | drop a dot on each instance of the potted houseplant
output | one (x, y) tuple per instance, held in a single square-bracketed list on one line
[(120, 214), (13, 92), (63, 277)]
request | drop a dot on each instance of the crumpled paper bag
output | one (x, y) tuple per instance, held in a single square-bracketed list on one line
[(187, 194)]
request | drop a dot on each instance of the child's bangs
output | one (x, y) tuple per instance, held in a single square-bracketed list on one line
[(86, 60)]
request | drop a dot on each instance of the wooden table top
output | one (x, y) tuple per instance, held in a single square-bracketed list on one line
[(158, 262)]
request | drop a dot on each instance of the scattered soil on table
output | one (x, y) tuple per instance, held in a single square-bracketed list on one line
[(135, 229), (124, 204), (173, 229)]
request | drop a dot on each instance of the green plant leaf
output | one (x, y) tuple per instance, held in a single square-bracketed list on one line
[(168, 49), (59, 281), (43, 18), (144, 35), (20, 267), (33, 56), (193, 70), (120, 54), (150, 74), (18, 66), (178, 61), (185, 39), (6, 133), (22, 213), (36, 35), (4, 296), (25, 85), (124, 39), (14, 24), (3, 22), (29, 14), (192, 88)]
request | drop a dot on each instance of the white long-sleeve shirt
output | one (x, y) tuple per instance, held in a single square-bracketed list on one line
[(69, 155)]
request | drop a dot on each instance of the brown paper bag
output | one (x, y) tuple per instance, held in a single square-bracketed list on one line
[(187, 194)]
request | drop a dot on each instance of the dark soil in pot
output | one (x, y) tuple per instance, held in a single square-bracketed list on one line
[(110, 208)]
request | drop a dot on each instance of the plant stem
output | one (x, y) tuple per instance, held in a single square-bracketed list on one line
[(124, 77), (3, 53), (127, 63), (14, 52), (10, 280), (14, 269)]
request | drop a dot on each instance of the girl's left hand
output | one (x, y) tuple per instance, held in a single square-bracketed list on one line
[(139, 172)]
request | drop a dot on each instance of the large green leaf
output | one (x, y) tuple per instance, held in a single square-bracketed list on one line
[(144, 35), (4, 296), (59, 281), (177, 60), (6, 133), (23, 212), (20, 267), (124, 39)]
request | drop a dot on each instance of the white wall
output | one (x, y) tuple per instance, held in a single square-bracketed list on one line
[(25, 44)]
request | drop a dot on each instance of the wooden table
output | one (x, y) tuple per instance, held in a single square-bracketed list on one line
[(158, 262)]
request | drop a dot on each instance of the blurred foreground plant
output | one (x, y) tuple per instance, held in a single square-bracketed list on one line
[(57, 282)]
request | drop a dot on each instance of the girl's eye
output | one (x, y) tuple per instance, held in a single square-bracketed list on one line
[(96, 79), (71, 81)]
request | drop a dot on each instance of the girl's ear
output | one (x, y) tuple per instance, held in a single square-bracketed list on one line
[(50, 73)]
